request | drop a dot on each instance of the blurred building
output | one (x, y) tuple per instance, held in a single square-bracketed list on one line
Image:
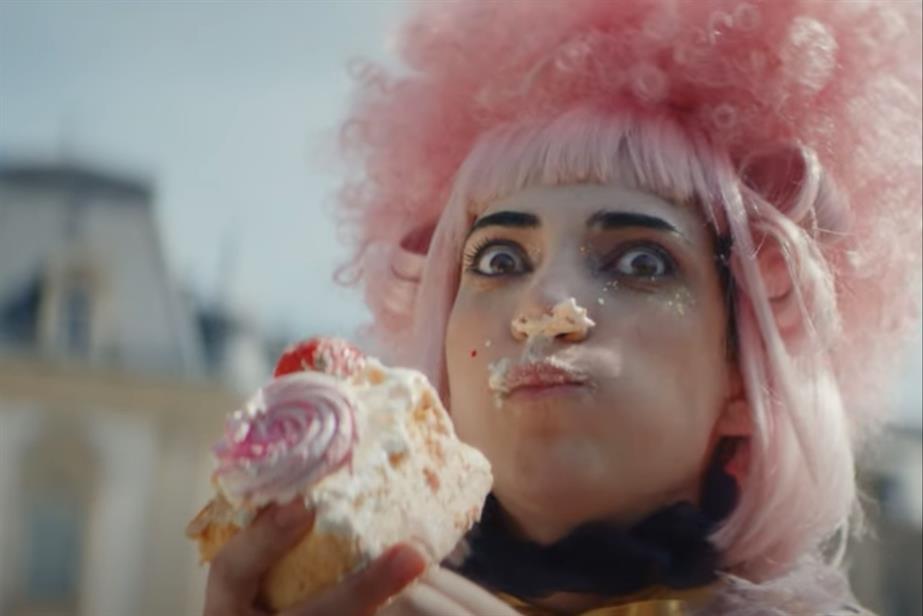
[(887, 565), (113, 384)]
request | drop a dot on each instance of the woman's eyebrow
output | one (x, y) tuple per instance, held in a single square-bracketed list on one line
[(605, 219), (506, 219)]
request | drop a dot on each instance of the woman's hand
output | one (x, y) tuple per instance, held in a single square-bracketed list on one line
[(236, 571), (440, 592)]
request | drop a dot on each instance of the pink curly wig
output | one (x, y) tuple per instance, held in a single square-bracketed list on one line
[(793, 125)]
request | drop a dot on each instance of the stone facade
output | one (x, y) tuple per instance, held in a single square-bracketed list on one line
[(111, 392)]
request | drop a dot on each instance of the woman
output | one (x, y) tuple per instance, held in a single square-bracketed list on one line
[(655, 254)]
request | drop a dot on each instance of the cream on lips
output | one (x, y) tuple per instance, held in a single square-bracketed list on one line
[(566, 317)]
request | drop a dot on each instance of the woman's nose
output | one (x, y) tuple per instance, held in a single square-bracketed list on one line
[(565, 320)]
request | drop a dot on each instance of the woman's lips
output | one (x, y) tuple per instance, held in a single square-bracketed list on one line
[(540, 376)]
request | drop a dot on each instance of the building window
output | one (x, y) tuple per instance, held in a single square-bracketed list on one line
[(75, 323), (58, 479), (55, 524)]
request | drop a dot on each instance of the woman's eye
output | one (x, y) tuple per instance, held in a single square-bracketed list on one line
[(643, 262), (499, 260)]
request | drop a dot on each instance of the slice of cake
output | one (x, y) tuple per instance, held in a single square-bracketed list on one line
[(369, 448)]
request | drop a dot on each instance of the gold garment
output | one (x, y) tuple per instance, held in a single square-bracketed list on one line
[(658, 602)]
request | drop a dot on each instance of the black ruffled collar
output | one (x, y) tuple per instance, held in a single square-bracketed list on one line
[(669, 548)]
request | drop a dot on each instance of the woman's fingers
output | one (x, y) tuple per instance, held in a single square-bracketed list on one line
[(443, 593), (236, 570), (364, 592), (465, 593), (421, 599)]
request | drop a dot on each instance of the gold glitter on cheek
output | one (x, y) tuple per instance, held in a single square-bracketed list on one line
[(679, 302)]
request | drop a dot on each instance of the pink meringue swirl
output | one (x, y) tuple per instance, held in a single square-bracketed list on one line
[(293, 432)]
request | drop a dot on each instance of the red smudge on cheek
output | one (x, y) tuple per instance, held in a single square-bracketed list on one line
[(474, 353)]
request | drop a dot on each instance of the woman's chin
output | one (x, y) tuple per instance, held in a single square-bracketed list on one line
[(547, 513), (558, 496), (562, 460)]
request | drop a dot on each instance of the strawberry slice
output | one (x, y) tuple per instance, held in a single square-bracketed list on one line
[(329, 355)]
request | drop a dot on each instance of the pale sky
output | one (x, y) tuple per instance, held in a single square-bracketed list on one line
[(231, 108)]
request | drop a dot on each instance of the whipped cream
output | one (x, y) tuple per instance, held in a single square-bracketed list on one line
[(410, 479), (293, 432), (496, 376), (379, 461), (567, 317)]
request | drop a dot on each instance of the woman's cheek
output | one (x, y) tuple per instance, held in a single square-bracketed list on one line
[(468, 349), (658, 371)]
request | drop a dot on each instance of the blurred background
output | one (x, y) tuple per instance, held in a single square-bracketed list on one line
[(166, 181)]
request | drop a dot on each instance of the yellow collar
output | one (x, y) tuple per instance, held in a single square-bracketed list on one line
[(655, 602)]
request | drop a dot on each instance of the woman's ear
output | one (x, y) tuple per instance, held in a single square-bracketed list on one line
[(735, 426), (735, 420)]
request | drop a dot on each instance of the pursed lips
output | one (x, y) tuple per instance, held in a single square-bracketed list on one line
[(539, 375)]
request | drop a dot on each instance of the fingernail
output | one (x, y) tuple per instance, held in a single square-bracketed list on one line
[(291, 515)]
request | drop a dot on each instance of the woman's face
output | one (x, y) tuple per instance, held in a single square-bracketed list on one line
[(609, 421)]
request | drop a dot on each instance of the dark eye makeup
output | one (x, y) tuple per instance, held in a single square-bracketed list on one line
[(493, 258), (637, 260), (640, 260)]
